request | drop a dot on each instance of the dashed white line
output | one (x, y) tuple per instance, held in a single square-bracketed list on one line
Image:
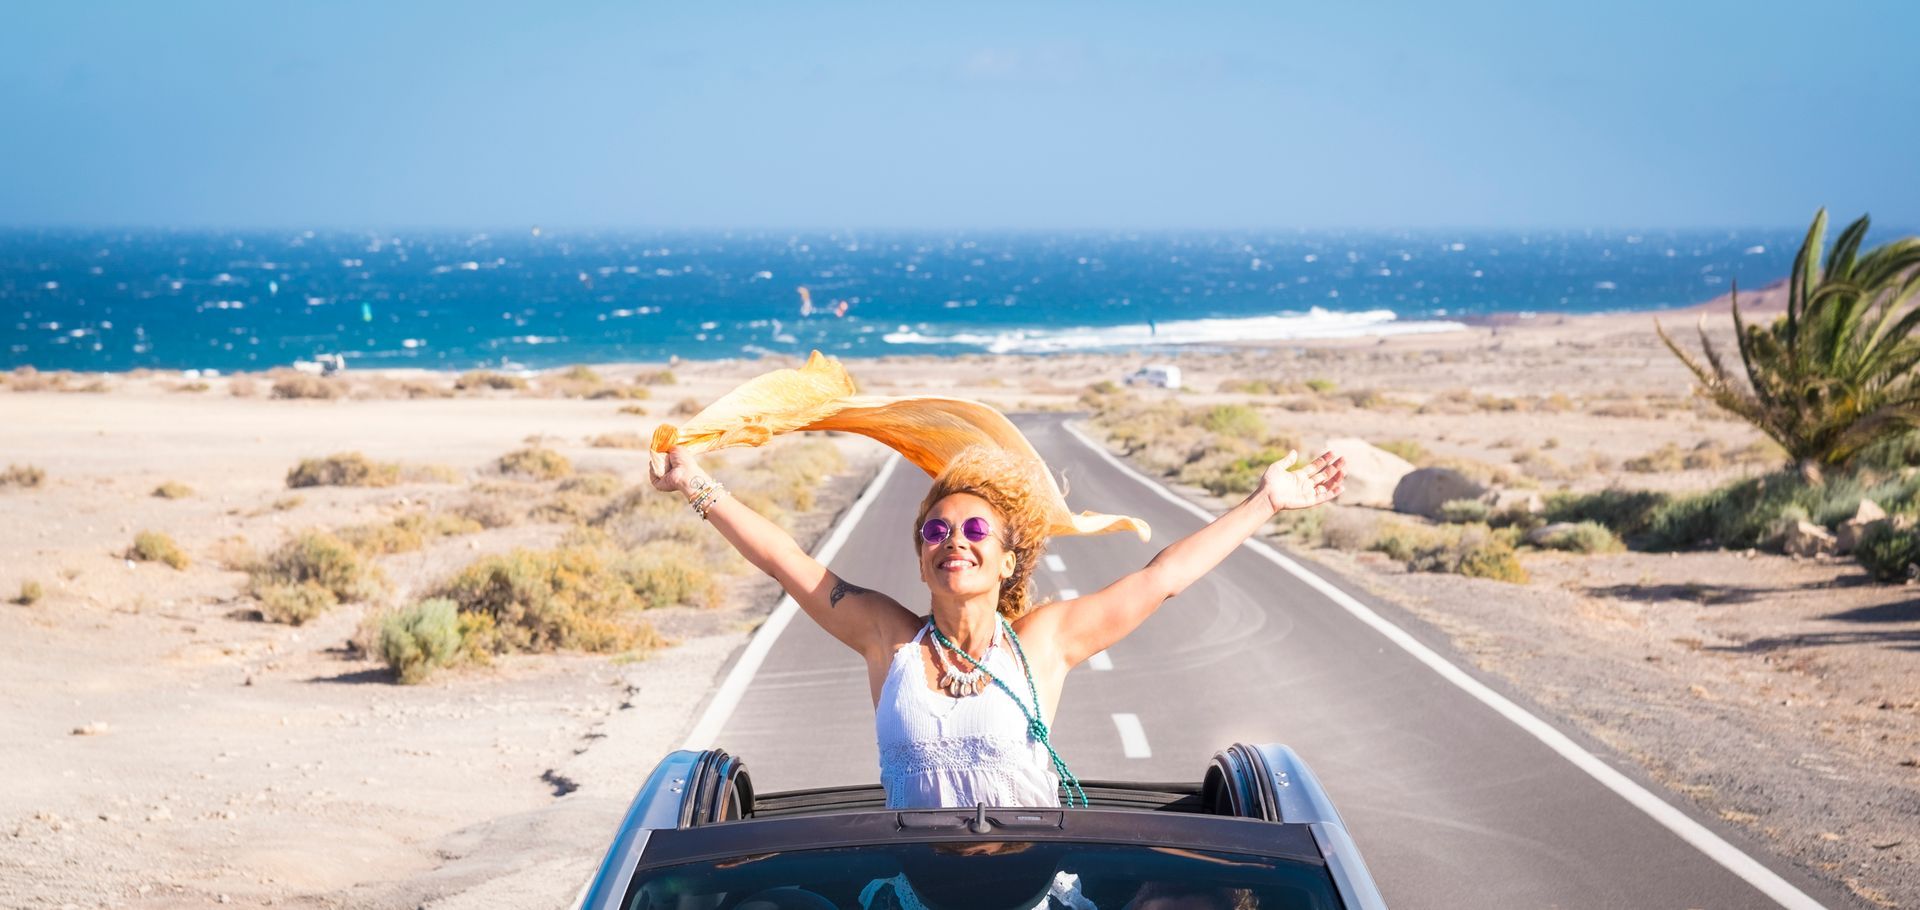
[(1699, 836), (1133, 737), (1055, 563), (1100, 661)]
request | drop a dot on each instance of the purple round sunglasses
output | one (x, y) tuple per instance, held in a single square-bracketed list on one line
[(937, 530)]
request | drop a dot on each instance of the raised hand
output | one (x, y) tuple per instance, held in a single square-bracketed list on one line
[(1317, 482), (670, 471)]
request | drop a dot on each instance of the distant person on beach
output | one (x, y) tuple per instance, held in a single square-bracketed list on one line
[(964, 697)]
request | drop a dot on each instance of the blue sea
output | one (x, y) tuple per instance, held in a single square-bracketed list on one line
[(117, 300)]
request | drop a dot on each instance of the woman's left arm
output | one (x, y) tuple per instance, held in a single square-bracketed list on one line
[(1089, 624)]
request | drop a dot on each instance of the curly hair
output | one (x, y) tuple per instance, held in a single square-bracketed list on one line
[(1015, 486)]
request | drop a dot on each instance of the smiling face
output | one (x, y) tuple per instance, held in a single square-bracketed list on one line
[(960, 567)]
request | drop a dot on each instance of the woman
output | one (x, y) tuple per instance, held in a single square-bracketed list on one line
[(963, 697)]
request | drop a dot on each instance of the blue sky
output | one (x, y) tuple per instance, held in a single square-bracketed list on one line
[(975, 115)]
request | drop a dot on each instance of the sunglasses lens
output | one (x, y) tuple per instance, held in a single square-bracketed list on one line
[(935, 530), (976, 529)]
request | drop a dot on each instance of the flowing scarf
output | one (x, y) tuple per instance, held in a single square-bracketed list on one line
[(925, 429)]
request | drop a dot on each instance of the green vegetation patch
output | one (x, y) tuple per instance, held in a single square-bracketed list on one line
[(419, 639), (310, 574), (578, 597)]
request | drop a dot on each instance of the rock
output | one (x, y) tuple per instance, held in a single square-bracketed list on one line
[(93, 729), (1422, 492), (1847, 536), (1540, 535), (1372, 473), (1804, 538)]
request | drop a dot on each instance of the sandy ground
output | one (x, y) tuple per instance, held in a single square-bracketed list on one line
[(222, 759)]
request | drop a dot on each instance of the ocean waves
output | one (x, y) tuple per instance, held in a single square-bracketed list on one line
[(1315, 323)]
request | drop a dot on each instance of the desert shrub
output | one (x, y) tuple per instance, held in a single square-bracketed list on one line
[(485, 379), (1105, 395), (154, 546), (1236, 420), (24, 476), (1472, 550), (234, 553), (618, 441), (1664, 460), (295, 604), (1414, 453), (592, 484), (302, 385), (643, 515), (655, 377), (685, 407), (426, 636), (1628, 513), (343, 469), (189, 387), (1748, 512), (634, 409), (1302, 524), (173, 490), (1584, 537), (322, 558), (1889, 552), (30, 593), (541, 600), (1320, 386), (621, 392), (490, 511), (1347, 529), (408, 532), (287, 503), (1465, 511), (242, 387), (581, 373), (537, 463), (1491, 558), (664, 574), (429, 473), (1368, 399), (1538, 465), (1627, 409), (1704, 457), (1255, 386)]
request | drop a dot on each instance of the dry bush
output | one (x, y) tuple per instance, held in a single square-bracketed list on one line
[(324, 560), (655, 377), (537, 463), (429, 473), (187, 386), (153, 546), (30, 593), (644, 515), (618, 441), (1539, 465), (543, 600), (343, 469), (1413, 452), (634, 409), (242, 387), (22, 476), (1664, 460), (1256, 387), (583, 374), (665, 574), (287, 503), (302, 385), (295, 604), (477, 380), (1705, 457), (1472, 550), (1628, 408), (173, 490), (1348, 529), (622, 392), (387, 388), (491, 510), (598, 483), (407, 533), (234, 553), (1465, 511), (685, 407)]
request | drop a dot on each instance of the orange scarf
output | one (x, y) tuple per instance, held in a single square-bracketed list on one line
[(927, 430)]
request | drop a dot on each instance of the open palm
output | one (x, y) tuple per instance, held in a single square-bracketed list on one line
[(1306, 487)]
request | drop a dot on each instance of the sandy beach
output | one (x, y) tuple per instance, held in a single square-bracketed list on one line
[(167, 747)]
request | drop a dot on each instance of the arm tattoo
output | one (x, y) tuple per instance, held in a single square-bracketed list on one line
[(841, 589)]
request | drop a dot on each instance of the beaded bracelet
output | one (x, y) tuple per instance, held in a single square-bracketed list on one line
[(710, 494)]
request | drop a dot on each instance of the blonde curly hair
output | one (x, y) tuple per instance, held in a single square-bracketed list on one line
[(1016, 487)]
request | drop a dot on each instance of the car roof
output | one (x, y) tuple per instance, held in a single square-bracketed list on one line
[(858, 828)]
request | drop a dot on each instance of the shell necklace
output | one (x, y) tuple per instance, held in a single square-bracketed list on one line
[(960, 683)]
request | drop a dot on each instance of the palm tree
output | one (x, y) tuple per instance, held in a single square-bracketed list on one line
[(1836, 373)]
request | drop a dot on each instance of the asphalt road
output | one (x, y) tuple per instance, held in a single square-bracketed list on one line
[(1452, 804)]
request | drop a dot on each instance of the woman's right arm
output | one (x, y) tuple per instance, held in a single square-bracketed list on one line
[(867, 621)]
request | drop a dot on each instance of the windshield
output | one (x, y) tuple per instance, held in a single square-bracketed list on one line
[(1006, 875)]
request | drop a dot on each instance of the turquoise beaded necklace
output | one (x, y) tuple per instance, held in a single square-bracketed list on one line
[(1035, 726)]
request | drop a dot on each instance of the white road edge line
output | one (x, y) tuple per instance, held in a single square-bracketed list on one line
[(735, 686), (1715, 847), (1055, 563), (1133, 737), (1100, 661)]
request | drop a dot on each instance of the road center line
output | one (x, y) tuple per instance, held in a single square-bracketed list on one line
[(1133, 737), (1055, 563), (1703, 839)]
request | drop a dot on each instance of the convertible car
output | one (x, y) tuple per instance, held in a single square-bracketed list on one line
[(1257, 832)]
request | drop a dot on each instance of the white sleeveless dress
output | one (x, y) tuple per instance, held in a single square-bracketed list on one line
[(937, 751)]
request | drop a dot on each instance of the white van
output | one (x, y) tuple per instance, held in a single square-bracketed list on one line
[(1159, 375)]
